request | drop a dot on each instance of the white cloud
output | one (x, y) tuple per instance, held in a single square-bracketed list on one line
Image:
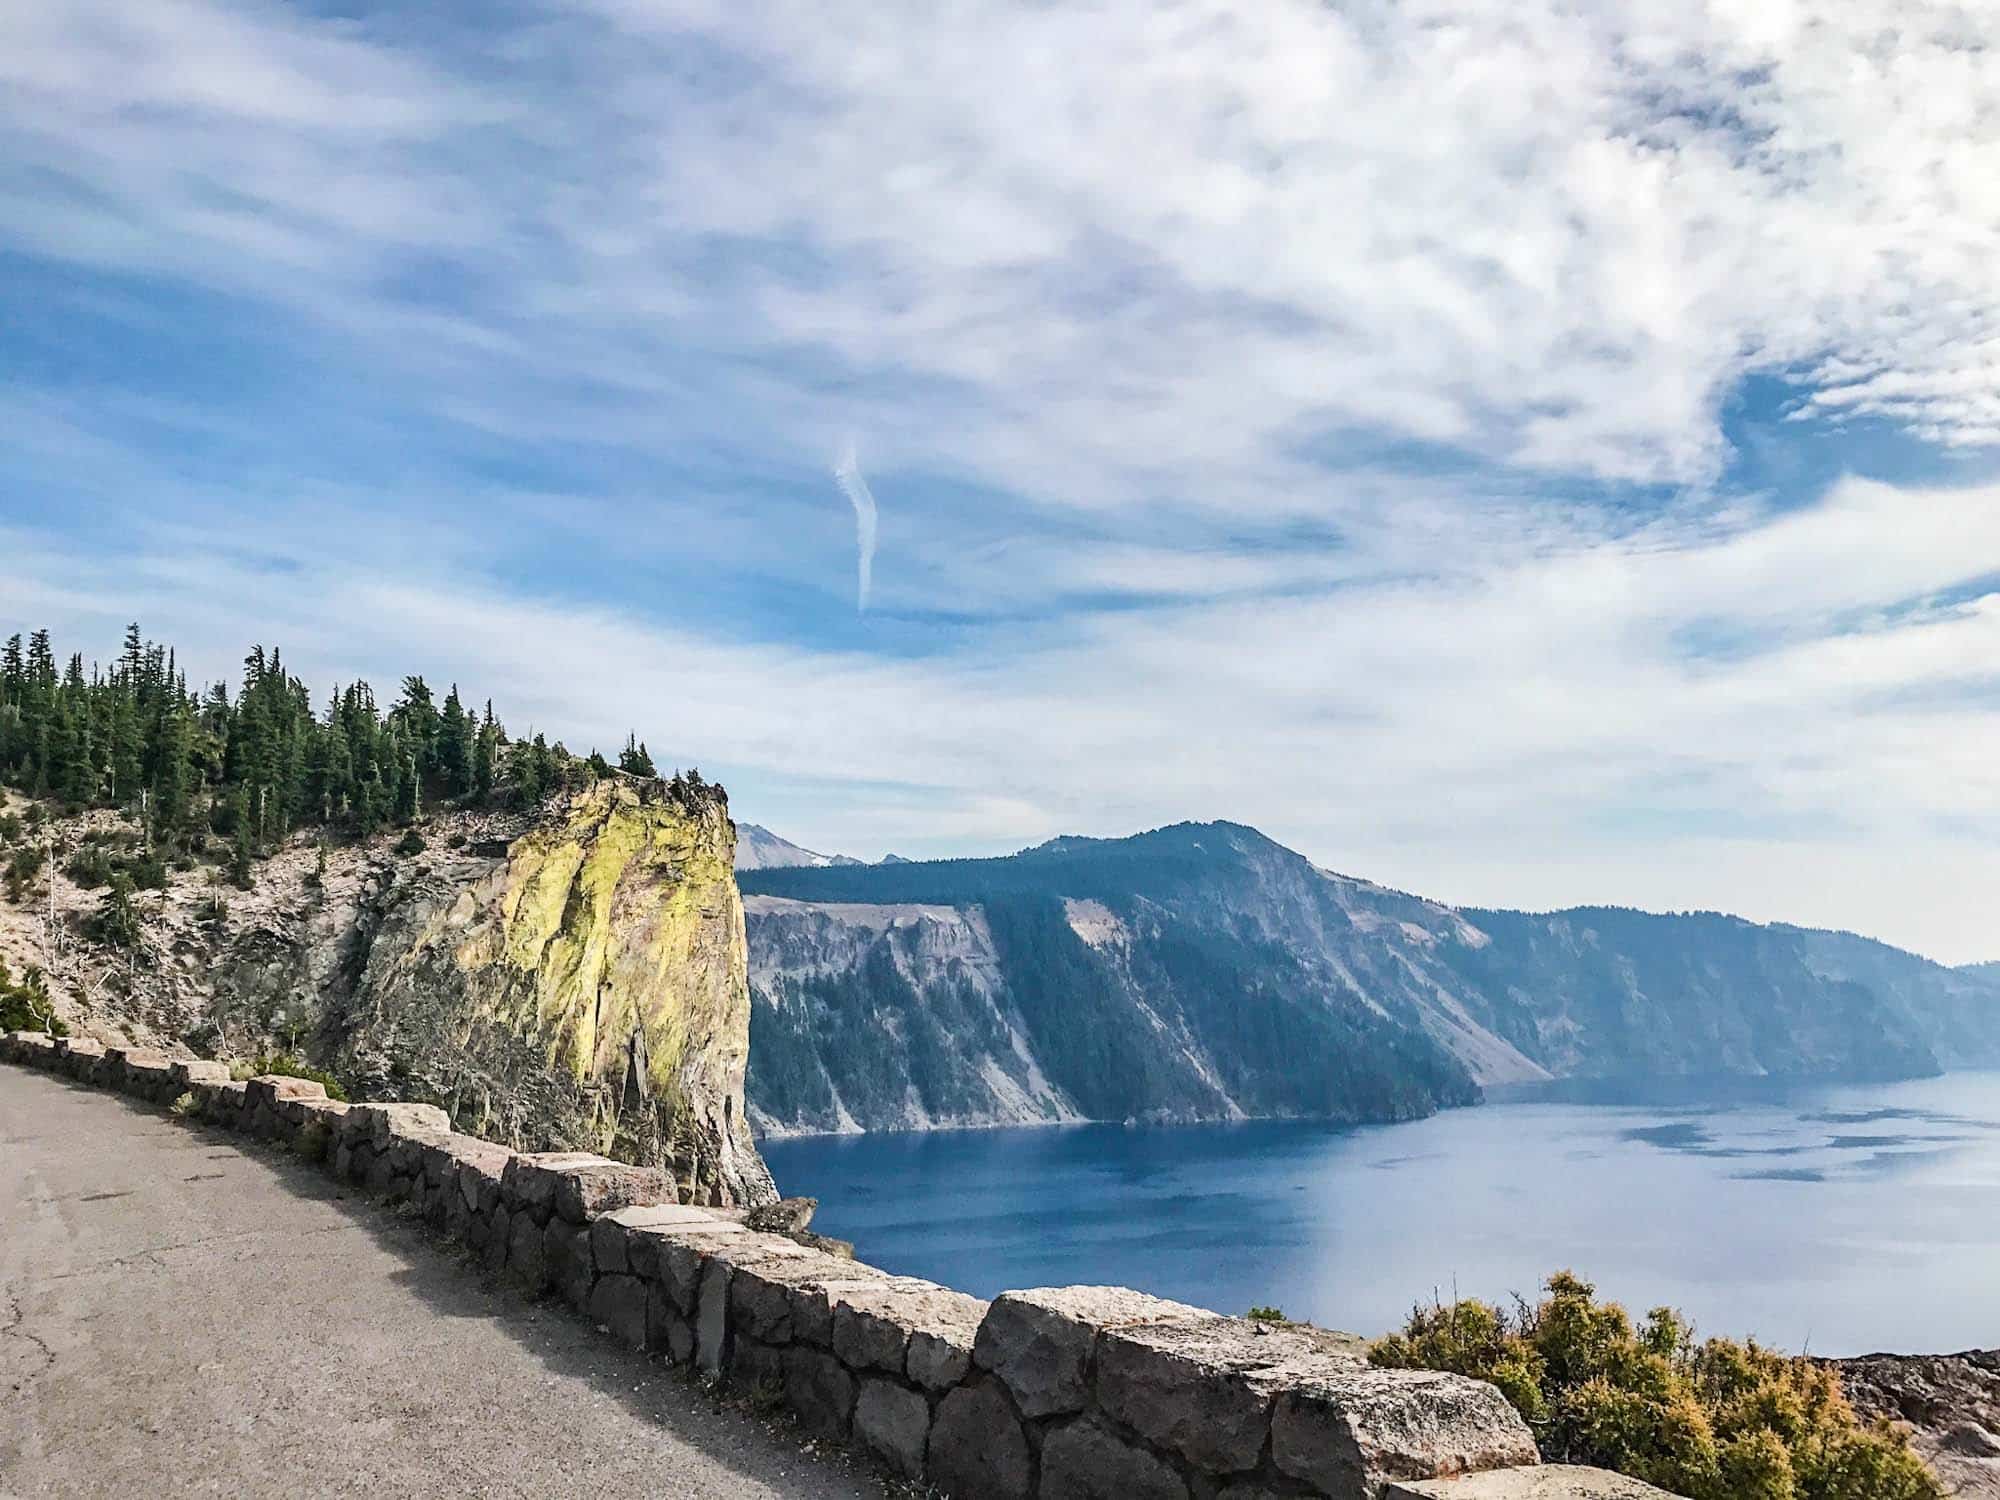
[(1129, 251), (1534, 733)]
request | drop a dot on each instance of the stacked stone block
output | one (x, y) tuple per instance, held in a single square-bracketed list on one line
[(1062, 1393)]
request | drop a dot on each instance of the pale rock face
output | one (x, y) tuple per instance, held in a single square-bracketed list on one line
[(575, 978)]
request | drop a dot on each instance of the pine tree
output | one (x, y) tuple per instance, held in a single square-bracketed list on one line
[(243, 850), (634, 760), (485, 750), (454, 746), (173, 782), (532, 771), (13, 692), (417, 716), (409, 791), (117, 920)]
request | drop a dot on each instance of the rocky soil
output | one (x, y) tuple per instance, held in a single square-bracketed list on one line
[(1952, 1403)]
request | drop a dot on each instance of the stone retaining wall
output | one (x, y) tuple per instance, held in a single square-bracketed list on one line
[(1062, 1393)]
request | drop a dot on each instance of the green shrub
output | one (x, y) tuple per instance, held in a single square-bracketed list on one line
[(23, 865), (10, 827), (26, 1006), (1267, 1315), (90, 866), (411, 843), (286, 1066), (1718, 1420), (148, 872)]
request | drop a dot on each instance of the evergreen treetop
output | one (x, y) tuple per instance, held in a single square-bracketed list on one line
[(264, 763)]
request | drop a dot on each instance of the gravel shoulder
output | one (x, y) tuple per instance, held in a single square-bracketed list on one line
[(180, 1315)]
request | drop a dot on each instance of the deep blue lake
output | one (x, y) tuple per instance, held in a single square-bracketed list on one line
[(1839, 1218)]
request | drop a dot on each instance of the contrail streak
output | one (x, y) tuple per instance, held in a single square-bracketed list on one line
[(847, 474)]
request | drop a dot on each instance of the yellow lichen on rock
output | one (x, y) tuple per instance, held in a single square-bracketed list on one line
[(611, 940)]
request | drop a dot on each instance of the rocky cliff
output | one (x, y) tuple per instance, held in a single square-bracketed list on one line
[(570, 977), (1951, 1403), (1205, 972)]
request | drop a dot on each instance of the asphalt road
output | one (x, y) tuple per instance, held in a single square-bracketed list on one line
[(183, 1315)]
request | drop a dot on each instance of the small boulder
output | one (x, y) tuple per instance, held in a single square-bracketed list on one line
[(977, 1446), (1040, 1342), (1203, 1387), (787, 1216), (1084, 1461), (566, 1253), (876, 1324), (819, 1391), (577, 1185), (586, 1192), (527, 1256), (265, 1090), (386, 1124), (894, 1423), (1349, 1428), (619, 1303)]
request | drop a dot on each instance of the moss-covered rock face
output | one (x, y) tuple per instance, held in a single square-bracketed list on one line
[(573, 978)]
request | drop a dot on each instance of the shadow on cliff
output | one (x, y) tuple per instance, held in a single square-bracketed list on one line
[(452, 1284)]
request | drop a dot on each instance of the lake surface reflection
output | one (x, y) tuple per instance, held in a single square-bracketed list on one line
[(1842, 1218)]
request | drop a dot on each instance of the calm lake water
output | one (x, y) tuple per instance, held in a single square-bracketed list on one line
[(1843, 1218)]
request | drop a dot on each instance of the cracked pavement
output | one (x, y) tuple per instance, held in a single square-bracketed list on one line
[(182, 1315)]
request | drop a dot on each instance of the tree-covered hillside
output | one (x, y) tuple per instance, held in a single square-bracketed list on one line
[(257, 763)]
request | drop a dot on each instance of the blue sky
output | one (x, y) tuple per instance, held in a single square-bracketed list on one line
[(1528, 454)]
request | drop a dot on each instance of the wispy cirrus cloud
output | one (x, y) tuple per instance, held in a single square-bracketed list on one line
[(1553, 236), (854, 484)]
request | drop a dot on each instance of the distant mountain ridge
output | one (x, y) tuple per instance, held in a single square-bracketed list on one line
[(1203, 971), (760, 849)]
